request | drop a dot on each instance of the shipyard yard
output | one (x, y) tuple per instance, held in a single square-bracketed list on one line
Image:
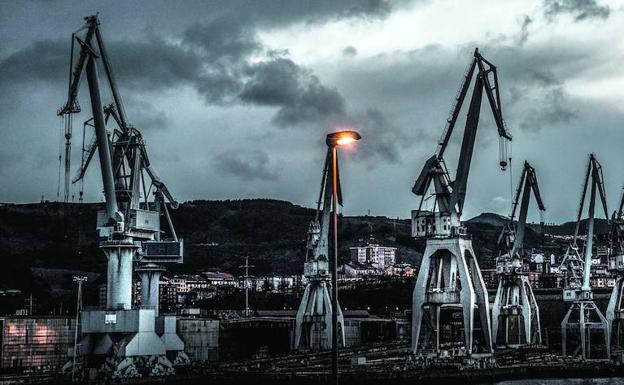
[(183, 235)]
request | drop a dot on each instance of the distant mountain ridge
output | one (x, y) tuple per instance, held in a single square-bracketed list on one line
[(489, 218)]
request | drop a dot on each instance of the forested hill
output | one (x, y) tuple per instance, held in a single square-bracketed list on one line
[(217, 235)]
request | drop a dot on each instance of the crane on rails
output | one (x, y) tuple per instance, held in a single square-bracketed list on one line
[(129, 227), (449, 275), (583, 316), (515, 310), (313, 321)]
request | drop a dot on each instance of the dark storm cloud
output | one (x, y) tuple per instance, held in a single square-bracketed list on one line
[(419, 85), (154, 64), (553, 111), (225, 39), (580, 9), (284, 12), (349, 51), (299, 94), (214, 59), (145, 116), (246, 164), (384, 141), (523, 35), (40, 61)]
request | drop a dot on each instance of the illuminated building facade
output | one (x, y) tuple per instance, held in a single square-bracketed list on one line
[(35, 343)]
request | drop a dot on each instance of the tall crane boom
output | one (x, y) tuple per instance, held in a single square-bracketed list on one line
[(597, 186), (513, 280), (106, 165), (511, 239), (451, 194), (485, 69), (129, 158)]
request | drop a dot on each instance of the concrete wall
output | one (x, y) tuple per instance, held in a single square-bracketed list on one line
[(201, 338), (352, 332), (255, 337)]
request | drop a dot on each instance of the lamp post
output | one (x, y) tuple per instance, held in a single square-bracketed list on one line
[(334, 140), (79, 280)]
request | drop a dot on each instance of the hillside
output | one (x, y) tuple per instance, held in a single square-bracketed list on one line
[(217, 235)]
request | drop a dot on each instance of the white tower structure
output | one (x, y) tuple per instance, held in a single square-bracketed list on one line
[(449, 276), (313, 322), (583, 316), (515, 312)]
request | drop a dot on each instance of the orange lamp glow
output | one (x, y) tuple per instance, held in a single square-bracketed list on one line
[(342, 137), (345, 140)]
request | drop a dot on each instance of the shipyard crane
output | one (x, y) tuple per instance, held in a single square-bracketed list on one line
[(583, 316), (129, 229), (313, 322), (615, 309), (515, 304), (449, 275)]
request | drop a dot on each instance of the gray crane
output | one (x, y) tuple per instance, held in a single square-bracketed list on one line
[(124, 179), (449, 276), (515, 304), (314, 318), (129, 229), (583, 316)]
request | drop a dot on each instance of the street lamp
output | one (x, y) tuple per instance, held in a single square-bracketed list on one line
[(334, 140), (79, 280)]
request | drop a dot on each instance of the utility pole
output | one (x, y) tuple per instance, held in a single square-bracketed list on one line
[(246, 266), (79, 280)]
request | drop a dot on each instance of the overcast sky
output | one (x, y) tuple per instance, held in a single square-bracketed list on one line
[(234, 98)]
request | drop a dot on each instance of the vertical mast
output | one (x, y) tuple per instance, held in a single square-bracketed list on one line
[(106, 164)]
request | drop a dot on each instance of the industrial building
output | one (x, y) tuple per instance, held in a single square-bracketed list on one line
[(35, 342), (380, 257)]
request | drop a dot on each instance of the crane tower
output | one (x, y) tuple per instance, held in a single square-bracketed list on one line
[(449, 277), (515, 310), (129, 230), (583, 316), (313, 322)]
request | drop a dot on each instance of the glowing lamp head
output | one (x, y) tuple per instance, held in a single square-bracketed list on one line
[(342, 137)]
